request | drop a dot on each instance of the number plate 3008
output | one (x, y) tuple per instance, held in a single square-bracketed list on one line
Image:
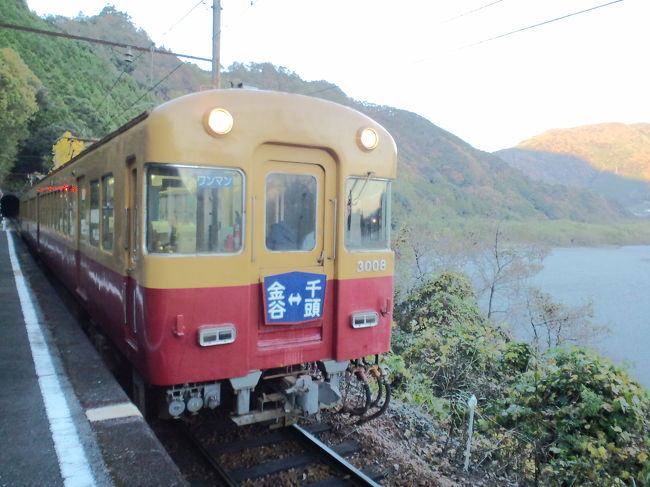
[(376, 265)]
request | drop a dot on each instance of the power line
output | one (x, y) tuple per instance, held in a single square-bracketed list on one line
[(122, 73), (142, 53), (110, 91), (183, 17), (472, 11), (99, 41), (151, 89), (540, 24)]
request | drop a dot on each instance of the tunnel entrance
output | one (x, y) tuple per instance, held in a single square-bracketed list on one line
[(9, 205)]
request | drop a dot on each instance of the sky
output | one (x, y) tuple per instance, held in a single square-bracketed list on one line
[(431, 57)]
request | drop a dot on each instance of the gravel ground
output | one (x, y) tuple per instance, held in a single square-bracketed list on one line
[(410, 443), (404, 442), (394, 441)]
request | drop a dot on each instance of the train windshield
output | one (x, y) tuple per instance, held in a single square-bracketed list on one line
[(290, 211), (193, 210), (367, 222)]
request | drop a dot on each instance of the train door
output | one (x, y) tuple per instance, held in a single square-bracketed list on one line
[(294, 246), (131, 257)]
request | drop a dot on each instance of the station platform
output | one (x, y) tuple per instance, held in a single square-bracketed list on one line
[(64, 420)]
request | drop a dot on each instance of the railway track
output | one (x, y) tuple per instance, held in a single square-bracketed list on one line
[(292, 455)]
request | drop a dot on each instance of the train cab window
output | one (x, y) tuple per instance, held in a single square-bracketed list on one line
[(93, 237), (290, 212), (367, 215), (194, 210), (108, 211)]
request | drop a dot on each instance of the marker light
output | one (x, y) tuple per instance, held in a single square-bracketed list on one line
[(220, 121), (368, 138), (365, 320), (219, 335)]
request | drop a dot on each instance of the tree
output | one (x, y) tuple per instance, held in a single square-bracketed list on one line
[(422, 252), (18, 89), (500, 267), (554, 324)]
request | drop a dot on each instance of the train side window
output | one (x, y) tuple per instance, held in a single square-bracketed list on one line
[(94, 213), (71, 209), (108, 211), (61, 216), (290, 212), (194, 210), (367, 214), (84, 210)]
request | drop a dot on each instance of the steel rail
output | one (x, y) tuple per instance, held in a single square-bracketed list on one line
[(334, 459), (218, 468)]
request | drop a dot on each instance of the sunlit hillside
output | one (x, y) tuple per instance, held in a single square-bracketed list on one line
[(621, 149)]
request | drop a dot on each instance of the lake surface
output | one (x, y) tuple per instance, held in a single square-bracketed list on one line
[(617, 282)]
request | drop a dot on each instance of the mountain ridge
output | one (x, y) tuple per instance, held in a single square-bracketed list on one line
[(612, 159), (623, 149), (444, 184)]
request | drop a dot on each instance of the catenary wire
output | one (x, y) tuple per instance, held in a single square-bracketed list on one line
[(98, 41), (540, 24), (472, 11), (149, 90), (183, 17), (141, 53)]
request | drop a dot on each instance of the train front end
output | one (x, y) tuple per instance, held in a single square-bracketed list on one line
[(264, 271)]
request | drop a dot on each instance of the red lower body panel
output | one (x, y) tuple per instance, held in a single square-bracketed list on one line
[(158, 329), (169, 350)]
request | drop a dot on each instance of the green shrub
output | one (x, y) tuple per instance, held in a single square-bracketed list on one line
[(586, 420)]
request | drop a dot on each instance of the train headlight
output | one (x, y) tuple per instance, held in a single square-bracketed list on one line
[(219, 121), (367, 138)]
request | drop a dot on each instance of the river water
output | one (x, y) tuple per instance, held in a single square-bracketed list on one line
[(617, 282)]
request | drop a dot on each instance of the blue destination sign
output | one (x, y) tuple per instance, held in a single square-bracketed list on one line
[(294, 297)]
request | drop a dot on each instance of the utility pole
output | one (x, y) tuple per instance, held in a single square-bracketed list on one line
[(216, 39)]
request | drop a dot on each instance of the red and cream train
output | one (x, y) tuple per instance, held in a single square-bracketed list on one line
[(230, 243)]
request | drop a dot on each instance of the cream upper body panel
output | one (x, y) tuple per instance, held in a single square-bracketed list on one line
[(177, 131)]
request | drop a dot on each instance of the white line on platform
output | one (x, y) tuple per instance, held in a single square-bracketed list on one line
[(115, 411), (73, 463)]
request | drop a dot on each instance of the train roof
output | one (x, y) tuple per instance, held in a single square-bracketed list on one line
[(261, 116)]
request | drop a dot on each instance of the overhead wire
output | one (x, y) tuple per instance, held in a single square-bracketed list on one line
[(472, 11), (232, 20), (540, 24), (98, 41), (183, 17), (499, 36), (162, 80), (122, 73)]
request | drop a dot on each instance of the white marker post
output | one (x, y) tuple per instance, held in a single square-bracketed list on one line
[(471, 402)]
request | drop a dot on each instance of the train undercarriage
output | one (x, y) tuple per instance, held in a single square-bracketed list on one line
[(355, 387)]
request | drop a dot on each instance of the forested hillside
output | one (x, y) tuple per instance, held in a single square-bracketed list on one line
[(567, 169), (70, 90), (615, 147), (91, 89)]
